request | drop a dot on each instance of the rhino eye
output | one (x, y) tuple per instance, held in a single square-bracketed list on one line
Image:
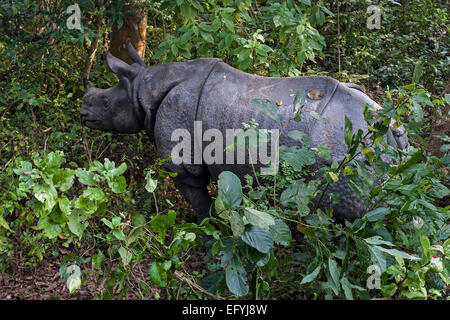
[(106, 103)]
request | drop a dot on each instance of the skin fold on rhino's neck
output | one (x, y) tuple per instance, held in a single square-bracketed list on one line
[(157, 82)]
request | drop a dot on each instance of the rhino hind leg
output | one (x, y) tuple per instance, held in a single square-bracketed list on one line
[(195, 192)]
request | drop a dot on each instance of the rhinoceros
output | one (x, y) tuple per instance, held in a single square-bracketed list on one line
[(208, 94)]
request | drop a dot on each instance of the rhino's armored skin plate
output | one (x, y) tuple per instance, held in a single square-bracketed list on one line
[(162, 98)]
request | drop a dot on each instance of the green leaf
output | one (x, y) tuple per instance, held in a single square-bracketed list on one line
[(348, 131), (310, 277), (76, 222), (74, 284), (52, 230), (389, 289), (378, 257), (64, 205), (63, 179), (258, 218), (236, 277), (46, 194), (376, 240), (86, 177), (207, 37), (206, 27), (323, 151), (158, 274), (237, 224), (54, 160), (150, 183), (118, 184), (108, 223), (333, 176), (3, 222), (119, 170), (95, 194), (334, 271), (300, 137), (395, 252), (281, 233), (230, 189), (125, 255), (296, 157), (119, 234), (377, 214), (269, 108), (258, 238), (212, 282)]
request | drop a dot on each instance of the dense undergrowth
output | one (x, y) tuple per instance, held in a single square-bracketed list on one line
[(106, 199)]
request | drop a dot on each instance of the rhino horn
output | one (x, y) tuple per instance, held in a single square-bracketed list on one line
[(132, 53)]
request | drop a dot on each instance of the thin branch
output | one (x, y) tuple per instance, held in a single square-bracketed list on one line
[(195, 286)]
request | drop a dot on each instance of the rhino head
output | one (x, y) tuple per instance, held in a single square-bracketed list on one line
[(116, 108)]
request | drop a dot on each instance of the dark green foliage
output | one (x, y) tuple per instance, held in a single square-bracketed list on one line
[(64, 186)]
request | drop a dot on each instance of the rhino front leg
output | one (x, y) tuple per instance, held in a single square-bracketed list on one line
[(195, 192)]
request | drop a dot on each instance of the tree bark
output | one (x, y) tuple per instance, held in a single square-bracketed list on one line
[(134, 27), (93, 48), (440, 125)]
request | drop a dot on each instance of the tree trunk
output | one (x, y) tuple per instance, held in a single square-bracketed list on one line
[(134, 27), (440, 125)]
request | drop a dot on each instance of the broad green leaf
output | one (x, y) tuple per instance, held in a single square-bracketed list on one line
[(125, 255), (258, 238), (158, 274), (64, 205), (107, 222), (212, 282), (281, 233), (119, 234), (74, 284), (63, 179), (323, 151), (230, 189), (118, 184), (236, 277), (389, 289), (376, 214), (119, 170), (237, 224), (52, 230), (86, 177), (258, 218), (95, 194), (377, 257), (77, 223), (46, 194), (395, 252), (376, 240)]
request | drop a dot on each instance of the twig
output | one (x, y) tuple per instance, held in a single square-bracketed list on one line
[(195, 286)]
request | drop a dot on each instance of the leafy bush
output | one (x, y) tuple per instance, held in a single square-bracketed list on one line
[(392, 240)]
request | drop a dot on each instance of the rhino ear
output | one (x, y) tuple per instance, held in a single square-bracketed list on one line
[(118, 66), (132, 53)]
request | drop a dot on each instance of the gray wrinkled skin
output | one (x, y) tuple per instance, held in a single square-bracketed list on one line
[(162, 98)]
